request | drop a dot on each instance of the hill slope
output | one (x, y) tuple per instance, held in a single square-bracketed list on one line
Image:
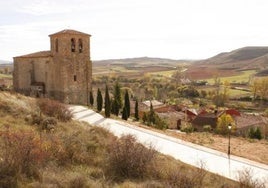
[(139, 61), (39, 150), (243, 58), (5, 62), (230, 63)]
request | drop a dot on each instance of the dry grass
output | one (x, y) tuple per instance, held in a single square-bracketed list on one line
[(240, 146), (71, 155), (17, 104)]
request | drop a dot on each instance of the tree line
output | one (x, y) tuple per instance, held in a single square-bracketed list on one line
[(119, 105), (114, 105)]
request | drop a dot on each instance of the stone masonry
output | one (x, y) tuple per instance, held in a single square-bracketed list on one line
[(64, 73)]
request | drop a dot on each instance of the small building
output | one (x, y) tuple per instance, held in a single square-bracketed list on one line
[(209, 118), (155, 103), (246, 121)]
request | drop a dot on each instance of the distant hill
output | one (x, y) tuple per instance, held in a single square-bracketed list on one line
[(139, 61), (5, 62), (243, 58)]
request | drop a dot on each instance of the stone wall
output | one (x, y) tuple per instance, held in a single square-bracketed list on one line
[(29, 70)]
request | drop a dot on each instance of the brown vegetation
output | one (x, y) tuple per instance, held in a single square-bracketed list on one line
[(74, 154)]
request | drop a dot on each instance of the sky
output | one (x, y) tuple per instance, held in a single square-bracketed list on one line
[(175, 29)]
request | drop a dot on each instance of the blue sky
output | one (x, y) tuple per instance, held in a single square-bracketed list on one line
[(177, 29)]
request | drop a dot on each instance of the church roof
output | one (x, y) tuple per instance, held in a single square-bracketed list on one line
[(38, 54), (69, 31)]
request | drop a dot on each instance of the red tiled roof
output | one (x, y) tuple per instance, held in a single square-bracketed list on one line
[(233, 112), (38, 54), (69, 31)]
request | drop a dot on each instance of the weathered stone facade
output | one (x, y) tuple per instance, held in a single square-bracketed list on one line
[(64, 73)]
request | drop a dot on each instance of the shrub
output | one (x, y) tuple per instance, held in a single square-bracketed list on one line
[(223, 122), (187, 127), (128, 159), (36, 119), (176, 178), (81, 146), (78, 181), (49, 123), (8, 175), (207, 128), (255, 133), (246, 180), (73, 149), (54, 109), (152, 119), (22, 152)]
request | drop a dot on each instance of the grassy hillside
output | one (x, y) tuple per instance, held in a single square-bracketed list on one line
[(40, 146)]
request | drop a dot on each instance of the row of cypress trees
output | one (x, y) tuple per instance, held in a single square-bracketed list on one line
[(114, 105)]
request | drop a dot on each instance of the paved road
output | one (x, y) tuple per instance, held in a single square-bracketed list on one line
[(215, 161)]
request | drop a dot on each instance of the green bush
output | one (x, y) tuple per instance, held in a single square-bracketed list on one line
[(255, 133)]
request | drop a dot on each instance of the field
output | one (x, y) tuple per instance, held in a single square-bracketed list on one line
[(5, 76), (163, 74), (240, 77)]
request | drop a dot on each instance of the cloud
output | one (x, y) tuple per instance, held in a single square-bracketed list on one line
[(44, 7), (121, 28)]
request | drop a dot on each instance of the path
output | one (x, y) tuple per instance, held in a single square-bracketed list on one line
[(215, 161)]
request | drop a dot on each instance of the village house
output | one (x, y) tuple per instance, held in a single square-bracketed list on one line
[(171, 114), (247, 121), (242, 121), (63, 73)]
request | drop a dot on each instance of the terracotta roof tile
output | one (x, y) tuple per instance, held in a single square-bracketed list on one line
[(69, 31), (38, 54)]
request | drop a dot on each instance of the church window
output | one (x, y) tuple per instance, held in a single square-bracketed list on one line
[(57, 45), (72, 45), (75, 78), (80, 45)]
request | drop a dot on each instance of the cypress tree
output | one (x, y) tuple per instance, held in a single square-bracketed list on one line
[(137, 110), (99, 101), (124, 113), (91, 98), (151, 115), (117, 102), (127, 104), (144, 118), (107, 103), (257, 133)]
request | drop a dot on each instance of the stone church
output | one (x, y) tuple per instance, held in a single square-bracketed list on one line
[(64, 73)]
